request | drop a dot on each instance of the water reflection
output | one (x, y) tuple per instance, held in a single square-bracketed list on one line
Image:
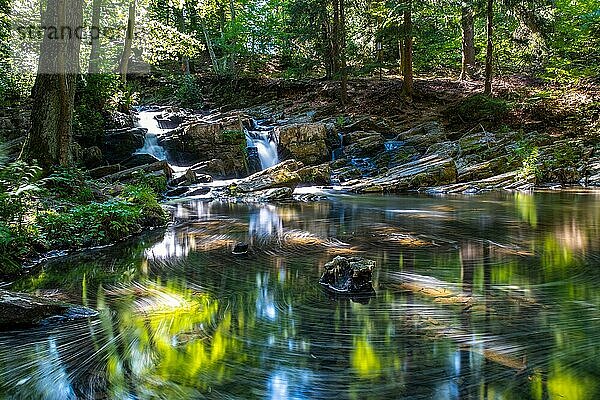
[(477, 297)]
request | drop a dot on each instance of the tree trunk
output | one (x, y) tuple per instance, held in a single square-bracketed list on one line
[(49, 139), (468, 41), (335, 39), (407, 70), (233, 60), (124, 66), (343, 69), (95, 37), (211, 51), (488, 54), (185, 61)]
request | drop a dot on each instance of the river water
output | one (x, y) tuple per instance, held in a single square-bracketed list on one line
[(494, 296)]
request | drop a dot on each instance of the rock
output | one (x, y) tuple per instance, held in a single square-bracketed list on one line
[(180, 191), (198, 192), (254, 164), (190, 177), (507, 181), (486, 169), (347, 173), (20, 309), (105, 170), (363, 144), (137, 160), (281, 175), (92, 157), (427, 171), (205, 141), (304, 142), (214, 167), (317, 175), (120, 144), (369, 123), (240, 248), (350, 275), (161, 167), (424, 135), (275, 194), (119, 120)]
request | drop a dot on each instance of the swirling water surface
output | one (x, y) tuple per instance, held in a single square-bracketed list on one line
[(494, 296)]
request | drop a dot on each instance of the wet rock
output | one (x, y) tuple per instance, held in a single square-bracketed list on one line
[(281, 175), (275, 194), (119, 120), (369, 123), (214, 167), (351, 275), (347, 173), (240, 248), (158, 168), (254, 164), (427, 171), (198, 192), (204, 141), (20, 309), (137, 160), (119, 144), (507, 181), (304, 142), (317, 175), (179, 191), (363, 144), (190, 177)]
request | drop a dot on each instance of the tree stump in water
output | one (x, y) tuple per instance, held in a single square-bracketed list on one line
[(351, 275)]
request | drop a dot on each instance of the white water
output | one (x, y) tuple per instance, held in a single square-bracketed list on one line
[(266, 145), (151, 146)]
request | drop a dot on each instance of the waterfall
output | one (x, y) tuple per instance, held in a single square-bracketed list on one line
[(151, 146), (264, 141)]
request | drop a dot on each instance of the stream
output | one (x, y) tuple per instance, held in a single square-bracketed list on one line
[(494, 296)]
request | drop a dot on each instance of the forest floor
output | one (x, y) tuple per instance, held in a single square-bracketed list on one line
[(519, 102)]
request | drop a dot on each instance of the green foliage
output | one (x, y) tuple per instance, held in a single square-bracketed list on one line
[(189, 93), (529, 156), (70, 183), (233, 136)]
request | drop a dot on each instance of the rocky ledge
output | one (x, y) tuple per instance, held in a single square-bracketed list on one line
[(20, 309)]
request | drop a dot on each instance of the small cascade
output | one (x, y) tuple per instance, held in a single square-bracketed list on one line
[(147, 120), (262, 144), (339, 151)]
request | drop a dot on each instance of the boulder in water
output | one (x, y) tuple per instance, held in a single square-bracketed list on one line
[(281, 175), (20, 309), (240, 248), (348, 275), (119, 144), (304, 142)]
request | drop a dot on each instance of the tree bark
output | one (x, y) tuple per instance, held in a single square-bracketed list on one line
[(335, 39), (49, 139), (489, 51), (95, 50), (124, 65), (407, 70), (468, 41), (343, 67), (209, 47)]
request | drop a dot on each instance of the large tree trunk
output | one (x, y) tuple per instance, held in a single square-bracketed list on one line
[(49, 139), (335, 39), (468, 40), (232, 59), (124, 65), (407, 70), (489, 51), (95, 50), (185, 61)]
